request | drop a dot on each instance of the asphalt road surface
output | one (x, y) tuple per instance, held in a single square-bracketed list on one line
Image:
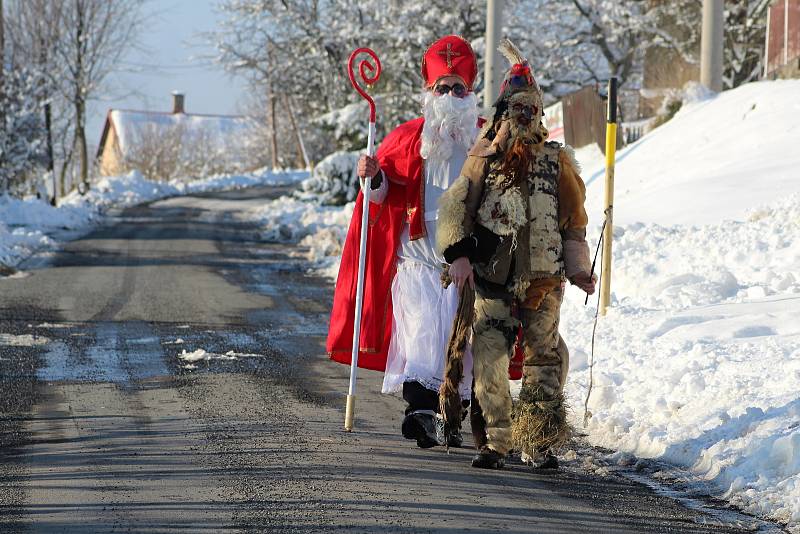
[(103, 428)]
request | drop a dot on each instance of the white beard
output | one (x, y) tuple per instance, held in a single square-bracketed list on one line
[(449, 122)]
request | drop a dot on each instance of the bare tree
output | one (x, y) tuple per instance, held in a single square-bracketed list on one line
[(170, 150), (97, 33), (298, 48), (155, 151), (2, 65), (745, 30), (35, 30)]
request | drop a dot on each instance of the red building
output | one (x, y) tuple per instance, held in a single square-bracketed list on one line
[(782, 50)]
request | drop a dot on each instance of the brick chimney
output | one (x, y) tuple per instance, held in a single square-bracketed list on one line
[(177, 102)]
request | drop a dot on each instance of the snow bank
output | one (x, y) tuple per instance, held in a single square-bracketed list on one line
[(27, 225), (698, 361), (319, 229)]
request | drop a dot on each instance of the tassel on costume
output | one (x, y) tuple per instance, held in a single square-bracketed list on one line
[(449, 396)]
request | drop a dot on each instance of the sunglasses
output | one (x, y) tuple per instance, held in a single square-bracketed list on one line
[(458, 89)]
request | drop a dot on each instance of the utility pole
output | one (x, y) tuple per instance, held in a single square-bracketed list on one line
[(493, 61), (711, 45)]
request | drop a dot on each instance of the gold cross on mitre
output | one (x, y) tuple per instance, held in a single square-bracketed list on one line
[(450, 54)]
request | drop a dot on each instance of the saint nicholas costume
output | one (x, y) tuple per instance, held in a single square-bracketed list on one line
[(407, 313)]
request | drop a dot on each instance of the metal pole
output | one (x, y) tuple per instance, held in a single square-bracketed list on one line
[(786, 32), (611, 149), (711, 45), (493, 69), (766, 44), (362, 260), (370, 72)]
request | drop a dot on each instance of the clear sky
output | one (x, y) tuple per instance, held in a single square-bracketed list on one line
[(172, 58)]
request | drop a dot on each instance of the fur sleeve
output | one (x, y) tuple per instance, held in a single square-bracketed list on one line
[(458, 206), (572, 216), (450, 228), (576, 258)]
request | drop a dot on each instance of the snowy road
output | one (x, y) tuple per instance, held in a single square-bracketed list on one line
[(167, 373)]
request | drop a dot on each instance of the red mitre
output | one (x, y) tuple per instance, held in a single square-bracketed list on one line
[(449, 56)]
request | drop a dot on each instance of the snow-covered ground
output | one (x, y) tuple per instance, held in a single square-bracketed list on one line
[(698, 361), (30, 224), (320, 230)]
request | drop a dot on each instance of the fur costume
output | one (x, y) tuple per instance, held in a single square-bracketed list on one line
[(516, 211)]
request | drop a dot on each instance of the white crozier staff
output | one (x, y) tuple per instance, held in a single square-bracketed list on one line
[(369, 73)]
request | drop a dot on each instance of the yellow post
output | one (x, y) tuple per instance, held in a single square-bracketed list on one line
[(611, 149)]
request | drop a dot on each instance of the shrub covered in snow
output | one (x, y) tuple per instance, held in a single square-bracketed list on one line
[(674, 99), (346, 125), (22, 138), (333, 181)]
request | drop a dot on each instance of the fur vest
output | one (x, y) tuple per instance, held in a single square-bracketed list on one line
[(526, 219), (520, 223)]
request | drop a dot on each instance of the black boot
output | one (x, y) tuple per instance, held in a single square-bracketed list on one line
[(488, 459), (455, 441), (420, 426)]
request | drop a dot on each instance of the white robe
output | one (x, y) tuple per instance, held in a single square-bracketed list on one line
[(423, 311)]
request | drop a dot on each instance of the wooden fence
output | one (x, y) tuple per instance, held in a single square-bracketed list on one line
[(585, 119)]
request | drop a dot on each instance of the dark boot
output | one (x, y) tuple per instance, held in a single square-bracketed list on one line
[(455, 441), (419, 422), (420, 426), (488, 459)]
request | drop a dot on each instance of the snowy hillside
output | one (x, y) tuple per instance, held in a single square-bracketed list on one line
[(698, 362), (716, 159)]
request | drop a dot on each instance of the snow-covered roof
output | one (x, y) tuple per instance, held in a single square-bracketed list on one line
[(131, 125)]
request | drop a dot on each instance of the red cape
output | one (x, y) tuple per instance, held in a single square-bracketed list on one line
[(401, 162)]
